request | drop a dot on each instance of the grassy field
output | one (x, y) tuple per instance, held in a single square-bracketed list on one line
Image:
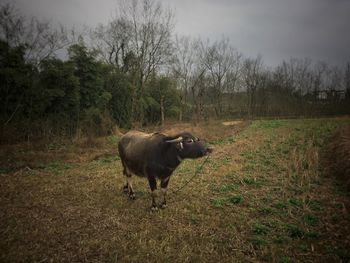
[(262, 196)]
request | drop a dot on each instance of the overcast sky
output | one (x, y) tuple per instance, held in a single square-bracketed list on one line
[(276, 29)]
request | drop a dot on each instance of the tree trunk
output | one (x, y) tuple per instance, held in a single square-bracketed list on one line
[(133, 102), (142, 110), (162, 109)]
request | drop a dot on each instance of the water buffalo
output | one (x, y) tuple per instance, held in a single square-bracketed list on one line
[(156, 156)]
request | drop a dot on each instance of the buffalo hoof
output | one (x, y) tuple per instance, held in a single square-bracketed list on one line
[(163, 206), (154, 208), (125, 189), (132, 196)]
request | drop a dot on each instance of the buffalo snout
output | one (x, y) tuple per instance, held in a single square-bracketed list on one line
[(209, 150), (206, 151)]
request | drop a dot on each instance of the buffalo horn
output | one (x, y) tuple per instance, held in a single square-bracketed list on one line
[(179, 139)]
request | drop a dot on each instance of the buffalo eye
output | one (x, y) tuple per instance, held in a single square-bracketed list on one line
[(189, 140)]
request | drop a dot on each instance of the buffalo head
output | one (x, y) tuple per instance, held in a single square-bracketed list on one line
[(189, 146)]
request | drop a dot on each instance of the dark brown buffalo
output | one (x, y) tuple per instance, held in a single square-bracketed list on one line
[(156, 156)]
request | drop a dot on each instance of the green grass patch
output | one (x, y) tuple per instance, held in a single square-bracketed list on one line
[(310, 220), (281, 206), (312, 235), (109, 159), (281, 239), (194, 220), (227, 188), (285, 260), (226, 160), (223, 141), (236, 199), (268, 124), (303, 247), (231, 175), (6, 170), (295, 231), (265, 211), (113, 139), (56, 166), (251, 181), (219, 202), (260, 229), (335, 219), (314, 205), (296, 202), (258, 241), (223, 201)]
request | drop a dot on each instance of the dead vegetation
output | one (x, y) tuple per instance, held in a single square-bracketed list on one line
[(37, 154), (261, 197)]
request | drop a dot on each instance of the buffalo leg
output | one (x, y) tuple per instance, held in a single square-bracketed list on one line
[(131, 190), (163, 188), (153, 185), (128, 184)]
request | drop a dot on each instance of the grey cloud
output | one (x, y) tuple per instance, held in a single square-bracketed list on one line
[(277, 29)]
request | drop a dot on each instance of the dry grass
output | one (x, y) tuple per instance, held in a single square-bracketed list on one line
[(37, 155), (261, 197), (338, 156)]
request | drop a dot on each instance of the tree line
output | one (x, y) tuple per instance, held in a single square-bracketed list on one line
[(134, 71)]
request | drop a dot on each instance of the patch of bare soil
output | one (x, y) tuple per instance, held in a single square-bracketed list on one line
[(338, 155)]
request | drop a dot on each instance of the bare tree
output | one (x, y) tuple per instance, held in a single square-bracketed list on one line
[(347, 81), (303, 76), (234, 75), (150, 41), (222, 62), (253, 78), (112, 41), (182, 63), (41, 39), (188, 71), (318, 72)]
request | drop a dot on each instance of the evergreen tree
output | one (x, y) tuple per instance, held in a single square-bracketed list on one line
[(60, 93), (15, 83), (93, 98)]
